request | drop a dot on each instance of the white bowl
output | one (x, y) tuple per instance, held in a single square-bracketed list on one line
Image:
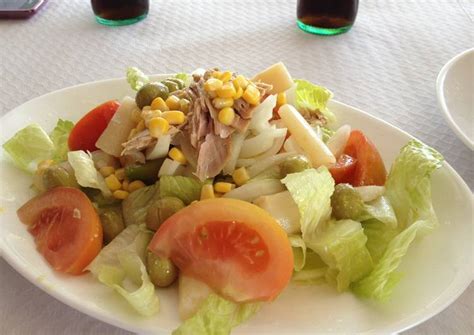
[(455, 91), (437, 269)]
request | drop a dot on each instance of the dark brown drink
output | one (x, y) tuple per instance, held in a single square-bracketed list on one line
[(120, 12), (326, 17)]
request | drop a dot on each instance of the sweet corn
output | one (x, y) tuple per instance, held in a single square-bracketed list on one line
[(113, 183), (240, 176), (240, 81), (135, 185), (147, 116), (281, 99), (226, 91), (125, 185), (158, 126), (140, 126), (120, 194), (159, 104), (223, 187), (220, 103), (226, 116), (136, 115), (238, 93), (207, 192), (174, 117), (106, 171), (120, 174), (226, 76), (177, 156), (173, 102), (184, 105), (212, 84), (251, 95), (217, 74)]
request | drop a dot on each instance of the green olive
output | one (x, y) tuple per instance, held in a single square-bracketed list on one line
[(162, 271), (172, 86), (177, 81), (148, 92), (112, 223), (161, 210), (59, 175), (346, 203), (294, 164)]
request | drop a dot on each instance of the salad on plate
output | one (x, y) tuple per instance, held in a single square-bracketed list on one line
[(226, 186)]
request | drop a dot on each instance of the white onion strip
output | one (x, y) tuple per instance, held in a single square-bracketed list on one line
[(253, 190)]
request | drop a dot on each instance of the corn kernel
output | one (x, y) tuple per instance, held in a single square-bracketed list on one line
[(217, 74), (177, 156), (125, 185), (146, 109), (133, 132), (159, 104), (207, 192), (140, 126), (135, 185), (212, 84), (158, 126), (281, 99), (240, 176), (174, 117), (240, 81), (220, 103), (226, 116), (136, 115), (113, 183), (147, 116), (238, 93), (251, 95), (226, 91), (120, 194), (173, 102), (223, 187), (106, 171), (184, 105), (225, 76), (120, 174)]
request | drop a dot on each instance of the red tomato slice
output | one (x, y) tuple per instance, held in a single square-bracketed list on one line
[(87, 130), (66, 228), (370, 169), (343, 170), (235, 247)]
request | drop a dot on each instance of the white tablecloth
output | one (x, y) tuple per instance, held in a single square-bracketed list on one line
[(386, 65)]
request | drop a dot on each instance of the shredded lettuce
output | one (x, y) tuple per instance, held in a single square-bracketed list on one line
[(59, 136), (217, 316), (184, 77), (135, 206), (136, 78), (29, 146), (120, 266), (313, 272), (313, 99), (408, 188), (85, 171), (379, 236), (299, 251), (184, 188)]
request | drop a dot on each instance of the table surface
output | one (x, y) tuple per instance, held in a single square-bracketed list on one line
[(386, 65)]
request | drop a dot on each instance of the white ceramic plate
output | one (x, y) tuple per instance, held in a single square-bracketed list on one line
[(437, 268), (455, 90)]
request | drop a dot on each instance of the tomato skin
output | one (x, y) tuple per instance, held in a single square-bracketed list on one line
[(66, 228), (87, 130), (370, 169), (233, 246), (343, 170)]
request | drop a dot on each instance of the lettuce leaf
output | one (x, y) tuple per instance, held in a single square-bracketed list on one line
[(184, 188), (29, 146), (120, 265), (378, 237), (59, 136), (313, 272), (299, 251), (408, 188), (85, 171), (136, 78), (217, 316), (313, 99)]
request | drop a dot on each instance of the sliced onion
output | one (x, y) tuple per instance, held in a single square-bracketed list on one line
[(236, 147), (291, 146), (170, 168), (369, 193), (268, 162), (262, 142), (262, 114), (244, 162), (102, 159), (338, 141), (251, 191), (160, 149)]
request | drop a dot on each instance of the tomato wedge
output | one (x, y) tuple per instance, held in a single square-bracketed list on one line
[(343, 170), (87, 130), (369, 169), (66, 228), (235, 247)]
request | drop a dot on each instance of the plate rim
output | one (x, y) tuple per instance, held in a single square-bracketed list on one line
[(397, 326), (440, 80)]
